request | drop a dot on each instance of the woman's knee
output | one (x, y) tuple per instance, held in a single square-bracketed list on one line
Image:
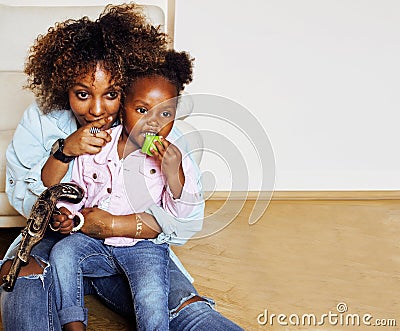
[(196, 298), (32, 268)]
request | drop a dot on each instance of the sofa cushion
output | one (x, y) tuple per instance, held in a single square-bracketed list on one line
[(9, 217), (5, 138), (14, 99)]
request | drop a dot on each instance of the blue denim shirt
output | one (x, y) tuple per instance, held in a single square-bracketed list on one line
[(29, 151)]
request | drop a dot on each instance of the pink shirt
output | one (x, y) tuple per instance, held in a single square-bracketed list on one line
[(130, 185)]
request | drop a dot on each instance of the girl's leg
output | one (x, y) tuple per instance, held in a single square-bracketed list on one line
[(70, 259), (31, 304), (146, 267), (189, 311), (114, 292)]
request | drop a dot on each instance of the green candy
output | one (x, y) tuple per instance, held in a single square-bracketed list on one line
[(149, 143)]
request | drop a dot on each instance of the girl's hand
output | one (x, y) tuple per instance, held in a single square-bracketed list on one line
[(64, 221), (83, 142), (98, 223), (171, 165), (169, 155)]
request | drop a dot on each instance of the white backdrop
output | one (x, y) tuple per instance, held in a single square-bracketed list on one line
[(322, 77)]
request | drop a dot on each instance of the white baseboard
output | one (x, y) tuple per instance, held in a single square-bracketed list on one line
[(303, 195)]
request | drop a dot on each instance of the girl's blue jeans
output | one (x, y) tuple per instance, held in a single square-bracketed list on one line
[(31, 306), (145, 266)]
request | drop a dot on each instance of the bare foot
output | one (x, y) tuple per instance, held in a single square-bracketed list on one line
[(74, 326)]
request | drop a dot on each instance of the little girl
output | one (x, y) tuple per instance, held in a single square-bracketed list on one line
[(122, 181)]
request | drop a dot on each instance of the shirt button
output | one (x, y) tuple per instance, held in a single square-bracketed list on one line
[(153, 171), (109, 190), (94, 176), (11, 181)]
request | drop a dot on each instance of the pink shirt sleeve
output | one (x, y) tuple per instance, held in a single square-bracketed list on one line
[(191, 196)]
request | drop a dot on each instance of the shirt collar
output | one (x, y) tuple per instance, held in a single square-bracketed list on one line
[(65, 119)]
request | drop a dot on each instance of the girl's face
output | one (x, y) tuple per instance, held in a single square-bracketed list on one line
[(91, 100), (150, 107)]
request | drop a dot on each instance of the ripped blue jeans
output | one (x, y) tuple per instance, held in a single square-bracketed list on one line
[(31, 305)]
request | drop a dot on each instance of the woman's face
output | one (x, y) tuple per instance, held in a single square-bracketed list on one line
[(91, 100), (149, 108)]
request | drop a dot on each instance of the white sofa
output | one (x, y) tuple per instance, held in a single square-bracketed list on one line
[(14, 102), (19, 26)]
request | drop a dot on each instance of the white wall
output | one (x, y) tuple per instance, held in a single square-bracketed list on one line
[(323, 78), (163, 4), (160, 3)]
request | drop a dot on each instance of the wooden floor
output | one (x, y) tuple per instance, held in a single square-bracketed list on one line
[(301, 258)]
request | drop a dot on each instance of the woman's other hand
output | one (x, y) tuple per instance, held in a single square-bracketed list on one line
[(63, 222), (98, 223)]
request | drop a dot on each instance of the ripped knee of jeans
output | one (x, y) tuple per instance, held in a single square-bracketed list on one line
[(35, 269), (40, 266), (193, 297)]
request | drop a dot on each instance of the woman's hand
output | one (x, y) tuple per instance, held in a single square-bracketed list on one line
[(83, 142), (78, 143), (98, 223), (171, 165), (64, 221)]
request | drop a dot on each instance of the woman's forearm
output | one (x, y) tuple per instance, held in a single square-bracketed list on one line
[(53, 171), (138, 226)]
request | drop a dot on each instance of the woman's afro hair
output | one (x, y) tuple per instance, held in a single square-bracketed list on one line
[(121, 40)]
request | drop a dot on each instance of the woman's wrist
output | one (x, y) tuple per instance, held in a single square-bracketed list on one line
[(67, 147), (130, 226), (150, 228), (53, 171), (58, 151), (139, 226), (112, 226)]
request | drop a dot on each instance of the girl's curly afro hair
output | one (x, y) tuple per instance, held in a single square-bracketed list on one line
[(121, 39), (176, 67)]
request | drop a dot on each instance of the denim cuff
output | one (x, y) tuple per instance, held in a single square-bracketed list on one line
[(73, 314)]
